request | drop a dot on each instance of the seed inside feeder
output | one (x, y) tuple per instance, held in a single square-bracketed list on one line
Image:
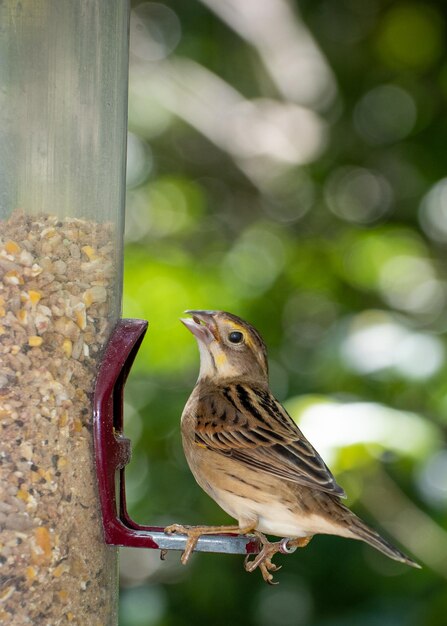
[(57, 291)]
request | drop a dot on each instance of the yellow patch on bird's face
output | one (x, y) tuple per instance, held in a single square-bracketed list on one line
[(221, 359)]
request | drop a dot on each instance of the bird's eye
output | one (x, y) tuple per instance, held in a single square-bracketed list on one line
[(235, 336)]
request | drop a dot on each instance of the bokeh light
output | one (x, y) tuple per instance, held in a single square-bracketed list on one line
[(333, 426), (155, 31), (364, 254), (258, 247), (411, 35), (288, 133), (358, 195), (432, 480), (162, 208), (288, 196), (409, 283), (139, 161), (375, 342), (433, 211), (385, 114)]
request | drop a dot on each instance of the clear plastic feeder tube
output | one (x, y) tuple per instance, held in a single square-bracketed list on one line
[(63, 102)]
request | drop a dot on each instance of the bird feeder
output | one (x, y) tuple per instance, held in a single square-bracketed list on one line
[(65, 354)]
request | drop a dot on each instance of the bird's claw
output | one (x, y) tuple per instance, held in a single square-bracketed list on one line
[(193, 533), (263, 560), (266, 575)]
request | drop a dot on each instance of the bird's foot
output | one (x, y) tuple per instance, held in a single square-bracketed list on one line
[(263, 560), (192, 532)]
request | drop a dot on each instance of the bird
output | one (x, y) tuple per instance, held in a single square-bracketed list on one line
[(248, 454)]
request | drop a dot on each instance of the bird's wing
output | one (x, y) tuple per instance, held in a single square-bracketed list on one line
[(249, 425)]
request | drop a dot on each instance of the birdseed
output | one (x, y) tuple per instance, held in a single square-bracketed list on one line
[(57, 306)]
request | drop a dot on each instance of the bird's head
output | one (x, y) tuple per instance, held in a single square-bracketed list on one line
[(229, 347)]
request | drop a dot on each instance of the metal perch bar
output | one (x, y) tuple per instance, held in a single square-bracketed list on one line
[(113, 452), (155, 538)]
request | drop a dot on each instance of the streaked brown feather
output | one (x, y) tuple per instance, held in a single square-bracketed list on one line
[(248, 424)]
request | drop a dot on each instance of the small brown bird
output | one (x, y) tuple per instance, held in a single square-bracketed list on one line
[(248, 454)]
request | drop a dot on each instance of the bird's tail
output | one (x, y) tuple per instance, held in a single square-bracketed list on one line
[(360, 530)]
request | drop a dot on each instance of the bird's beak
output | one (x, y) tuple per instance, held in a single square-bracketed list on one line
[(202, 325)]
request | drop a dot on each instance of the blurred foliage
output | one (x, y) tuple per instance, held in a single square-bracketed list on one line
[(286, 163)]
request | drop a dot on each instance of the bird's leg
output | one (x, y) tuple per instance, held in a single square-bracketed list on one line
[(195, 532), (290, 545), (263, 560)]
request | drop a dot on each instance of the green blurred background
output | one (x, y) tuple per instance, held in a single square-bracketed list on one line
[(286, 163)]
